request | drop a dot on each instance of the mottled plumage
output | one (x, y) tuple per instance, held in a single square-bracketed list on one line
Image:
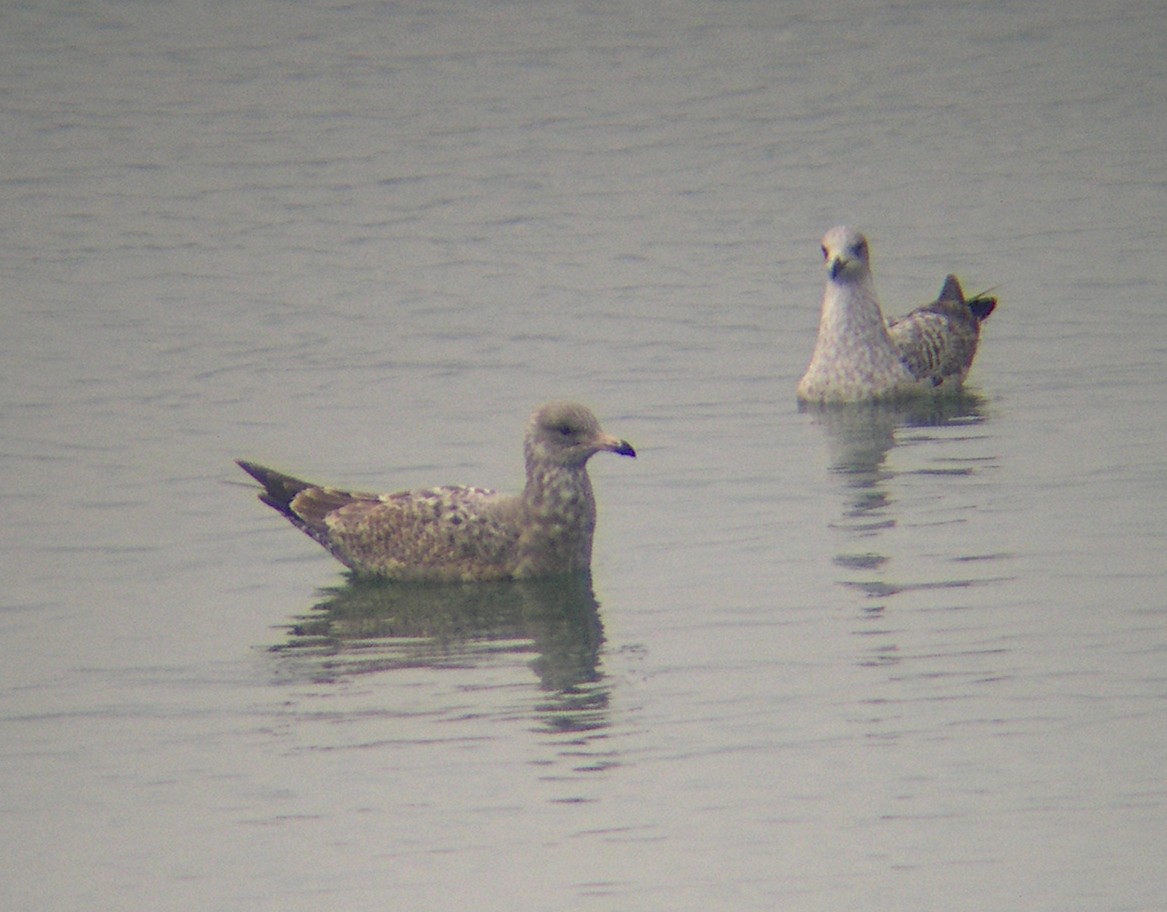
[(860, 356), (452, 534), (938, 341)]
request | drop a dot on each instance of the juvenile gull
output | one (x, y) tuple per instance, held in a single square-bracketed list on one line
[(462, 534), (859, 356)]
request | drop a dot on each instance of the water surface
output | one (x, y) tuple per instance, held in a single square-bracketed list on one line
[(875, 659)]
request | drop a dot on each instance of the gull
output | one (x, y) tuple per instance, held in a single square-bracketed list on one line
[(464, 534), (860, 356)]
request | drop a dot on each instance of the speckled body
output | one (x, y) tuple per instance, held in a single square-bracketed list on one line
[(860, 356), (464, 534)]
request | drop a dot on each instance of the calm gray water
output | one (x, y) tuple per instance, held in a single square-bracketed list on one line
[(857, 660)]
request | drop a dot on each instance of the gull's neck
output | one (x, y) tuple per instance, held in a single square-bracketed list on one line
[(553, 490), (560, 521), (851, 310)]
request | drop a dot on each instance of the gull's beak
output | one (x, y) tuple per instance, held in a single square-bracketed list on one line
[(615, 445), (838, 264)]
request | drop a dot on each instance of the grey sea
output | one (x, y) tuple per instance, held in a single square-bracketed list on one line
[(865, 659)]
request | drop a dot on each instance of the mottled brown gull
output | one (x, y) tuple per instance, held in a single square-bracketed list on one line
[(463, 534), (860, 356)]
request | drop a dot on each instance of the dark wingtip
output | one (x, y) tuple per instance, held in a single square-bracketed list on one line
[(278, 489), (951, 290), (982, 306), (256, 471)]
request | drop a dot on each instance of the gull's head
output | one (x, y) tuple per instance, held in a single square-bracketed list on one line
[(569, 434), (845, 253)]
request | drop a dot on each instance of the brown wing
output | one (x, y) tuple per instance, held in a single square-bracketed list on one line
[(939, 340), (446, 533), (443, 533)]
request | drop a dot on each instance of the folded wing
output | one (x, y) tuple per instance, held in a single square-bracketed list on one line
[(938, 341)]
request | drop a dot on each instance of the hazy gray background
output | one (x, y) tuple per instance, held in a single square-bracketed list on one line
[(875, 661)]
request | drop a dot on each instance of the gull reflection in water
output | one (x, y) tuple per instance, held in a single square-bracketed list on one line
[(859, 438), (552, 625)]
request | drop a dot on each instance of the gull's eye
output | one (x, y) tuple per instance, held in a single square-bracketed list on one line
[(565, 430), (861, 250), (823, 248)]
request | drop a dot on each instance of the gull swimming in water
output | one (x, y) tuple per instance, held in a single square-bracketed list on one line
[(463, 534), (860, 356)]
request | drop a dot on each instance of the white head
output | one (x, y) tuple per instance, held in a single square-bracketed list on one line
[(846, 255)]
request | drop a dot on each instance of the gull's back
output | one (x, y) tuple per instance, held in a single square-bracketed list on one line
[(937, 342)]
